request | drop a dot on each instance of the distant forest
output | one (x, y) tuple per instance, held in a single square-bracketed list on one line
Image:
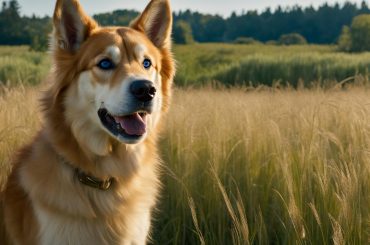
[(320, 25)]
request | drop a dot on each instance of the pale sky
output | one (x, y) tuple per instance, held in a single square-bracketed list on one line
[(222, 7)]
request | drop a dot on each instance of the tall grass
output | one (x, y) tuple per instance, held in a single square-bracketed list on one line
[(241, 166), (267, 64), (306, 69), (19, 66), (19, 121), (200, 63), (266, 168)]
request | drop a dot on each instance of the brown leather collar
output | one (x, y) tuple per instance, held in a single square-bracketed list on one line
[(93, 181), (87, 179)]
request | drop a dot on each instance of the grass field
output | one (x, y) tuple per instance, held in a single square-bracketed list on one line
[(199, 64), (303, 65), (268, 167), (19, 66), (242, 165)]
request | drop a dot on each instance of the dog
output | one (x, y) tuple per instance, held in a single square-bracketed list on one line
[(91, 175)]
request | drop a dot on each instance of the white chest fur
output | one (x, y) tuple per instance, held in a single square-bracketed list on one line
[(57, 229), (69, 212)]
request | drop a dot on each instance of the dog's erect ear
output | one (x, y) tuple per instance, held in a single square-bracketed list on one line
[(156, 23), (71, 25)]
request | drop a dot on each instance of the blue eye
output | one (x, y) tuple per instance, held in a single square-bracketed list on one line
[(106, 64), (147, 63)]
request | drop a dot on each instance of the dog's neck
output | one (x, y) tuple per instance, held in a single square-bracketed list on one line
[(86, 178)]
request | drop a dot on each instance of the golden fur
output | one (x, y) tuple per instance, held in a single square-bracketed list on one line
[(43, 201)]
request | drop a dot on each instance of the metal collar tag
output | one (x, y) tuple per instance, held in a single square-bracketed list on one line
[(93, 181)]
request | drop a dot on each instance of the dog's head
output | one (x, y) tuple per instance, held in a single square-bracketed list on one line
[(116, 80)]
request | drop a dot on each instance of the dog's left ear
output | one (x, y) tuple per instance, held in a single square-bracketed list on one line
[(156, 23), (71, 25)]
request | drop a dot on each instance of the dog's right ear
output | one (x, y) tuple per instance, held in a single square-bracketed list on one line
[(71, 26), (156, 23)]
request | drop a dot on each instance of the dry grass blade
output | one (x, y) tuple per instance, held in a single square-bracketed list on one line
[(195, 219)]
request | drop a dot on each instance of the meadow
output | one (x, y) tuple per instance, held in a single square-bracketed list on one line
[(244, 165), (271, 65), (226, 64), (267, 167), (19, 66)]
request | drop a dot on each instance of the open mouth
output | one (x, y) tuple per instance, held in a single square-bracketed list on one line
[(131, 127)]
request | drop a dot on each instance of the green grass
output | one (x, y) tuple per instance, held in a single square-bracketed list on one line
[(266, 64), (228, 64), (201, 63), (18, 66)]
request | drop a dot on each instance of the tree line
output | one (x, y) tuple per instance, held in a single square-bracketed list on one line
[(23, 30), (322, 25)]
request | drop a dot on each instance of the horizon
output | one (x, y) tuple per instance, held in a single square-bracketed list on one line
[(40, 8)]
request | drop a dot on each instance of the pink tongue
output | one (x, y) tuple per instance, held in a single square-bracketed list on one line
[(133, 124)]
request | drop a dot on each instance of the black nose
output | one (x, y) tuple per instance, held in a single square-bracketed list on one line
[(143, 90)]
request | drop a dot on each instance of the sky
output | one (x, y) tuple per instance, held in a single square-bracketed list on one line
[(221, 7)]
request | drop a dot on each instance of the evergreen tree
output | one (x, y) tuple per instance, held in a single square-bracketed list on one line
[(11, 29)]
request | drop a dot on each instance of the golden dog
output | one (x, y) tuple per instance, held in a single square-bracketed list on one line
[(91, 174)]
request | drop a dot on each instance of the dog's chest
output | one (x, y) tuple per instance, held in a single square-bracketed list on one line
[(60, 230)]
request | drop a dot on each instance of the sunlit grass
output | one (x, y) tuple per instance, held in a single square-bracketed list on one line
[(19, 121), (266, 168), (270, 167)]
